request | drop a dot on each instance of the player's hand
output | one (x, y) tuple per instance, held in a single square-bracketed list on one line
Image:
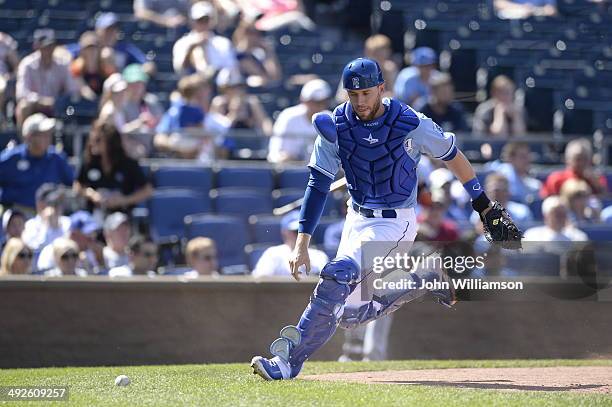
[(300, 260)]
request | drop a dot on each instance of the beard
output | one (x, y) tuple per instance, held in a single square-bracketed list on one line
[(372, 113)]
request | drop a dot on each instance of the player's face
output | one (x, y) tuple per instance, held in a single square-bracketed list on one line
[(366, 102)]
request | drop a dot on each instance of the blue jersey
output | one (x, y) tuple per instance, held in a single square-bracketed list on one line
[(380, 157)]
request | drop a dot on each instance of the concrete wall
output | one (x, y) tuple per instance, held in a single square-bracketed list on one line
[(96, 321)]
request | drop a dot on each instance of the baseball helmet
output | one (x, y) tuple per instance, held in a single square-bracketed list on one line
[(361, 73)]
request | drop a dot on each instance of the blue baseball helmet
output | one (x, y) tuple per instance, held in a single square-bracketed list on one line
[(361, 73)]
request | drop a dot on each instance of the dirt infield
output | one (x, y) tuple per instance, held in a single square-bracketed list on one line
[(595, 379)]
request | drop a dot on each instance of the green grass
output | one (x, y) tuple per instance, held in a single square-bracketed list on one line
[(234, 385)]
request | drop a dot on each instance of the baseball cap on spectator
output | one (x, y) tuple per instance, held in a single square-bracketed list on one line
[(8, 215), (424, 56), (88, 39), (315, 90), (439, 177), (202, 9), (44, 37), (229, 77), (50, 194), (291, 221), (106, 20), (114, 220), (190, 116), (114, 83), (83, 222), (37, 123), (134, 73)]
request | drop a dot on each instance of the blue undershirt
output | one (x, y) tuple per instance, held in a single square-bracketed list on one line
[(314, 201)]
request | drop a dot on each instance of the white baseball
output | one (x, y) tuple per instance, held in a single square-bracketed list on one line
[(122, 380)]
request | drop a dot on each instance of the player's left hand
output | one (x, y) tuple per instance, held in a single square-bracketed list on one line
[(499, 227)]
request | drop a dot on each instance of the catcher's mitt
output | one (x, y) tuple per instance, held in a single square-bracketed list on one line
[(499, 227)]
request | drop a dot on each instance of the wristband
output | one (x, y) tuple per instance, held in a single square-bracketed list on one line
[(473, 188)]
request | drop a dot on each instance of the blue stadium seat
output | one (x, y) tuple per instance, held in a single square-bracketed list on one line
[(536, 209), (241, 201), (254, 252), (293, 178), (196, 178), (286, 195), (266, 228), (319, 233), (249, 177), (230, 233), (598, 233), (534, 264), (168, 208)]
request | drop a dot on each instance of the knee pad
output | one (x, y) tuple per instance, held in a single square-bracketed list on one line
[(335, 283)]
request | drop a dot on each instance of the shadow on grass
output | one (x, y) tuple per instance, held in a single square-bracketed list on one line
[(493, 385)]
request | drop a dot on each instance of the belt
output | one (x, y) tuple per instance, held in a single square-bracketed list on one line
[(374, 213)]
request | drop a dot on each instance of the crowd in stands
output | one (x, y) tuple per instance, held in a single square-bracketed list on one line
[(75, 215)]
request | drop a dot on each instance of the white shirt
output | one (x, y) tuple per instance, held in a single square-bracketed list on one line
[(56, 272), (293, 135), (37, 234), (113, 259), (219, 52), (126, 271), (558, 242), (275, 261)]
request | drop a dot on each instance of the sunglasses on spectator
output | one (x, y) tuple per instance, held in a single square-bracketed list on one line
[(25, 255), (204, 19), (69, 256), (149, 254), (206, 257)]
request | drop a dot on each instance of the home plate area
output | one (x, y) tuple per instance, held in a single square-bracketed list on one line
[(593, 379)]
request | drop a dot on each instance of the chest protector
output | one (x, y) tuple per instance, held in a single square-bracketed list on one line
[(379, 171)]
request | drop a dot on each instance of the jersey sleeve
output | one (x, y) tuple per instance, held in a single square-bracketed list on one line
[(429, 139), (325, 157)]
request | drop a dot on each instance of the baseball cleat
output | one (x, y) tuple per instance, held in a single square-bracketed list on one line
[(270, 369)]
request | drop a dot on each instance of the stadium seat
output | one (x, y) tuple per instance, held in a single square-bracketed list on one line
[(266, 228), (319, 233), (230, 233), (254, 252), (284, 196), (536, 209), (196, 178), (597, 233), (534, 264), (168, 208), (249, 177), (241, 201), (293, 178)]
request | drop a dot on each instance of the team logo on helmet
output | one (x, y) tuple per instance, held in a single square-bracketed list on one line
[(356, 83)]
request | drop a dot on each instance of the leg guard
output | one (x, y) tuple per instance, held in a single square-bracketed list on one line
[(320, 318)]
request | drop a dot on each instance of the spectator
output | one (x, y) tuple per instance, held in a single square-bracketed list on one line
[(25, 168), (49, 222), (256, 56), (117, 236), (83, 231), (142, 112), (516, 166), (187, 130), (275, 260), (556, 227), (441, 107), (142, 254), (201, 255), (166, 13), (274, 15), (201, 50), (9, 60), (579, 165), (293, 134), (88, 68), (108, 178), (441, 182), (113, 103), (13, 223), (42, 78), (16, 258), (497, 189), (378, 48), (66, 259), (606, 214), (521, 9), (124, 53), (244, 111), (581, 203), (433, 225), (501, 115), (412, 82)]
